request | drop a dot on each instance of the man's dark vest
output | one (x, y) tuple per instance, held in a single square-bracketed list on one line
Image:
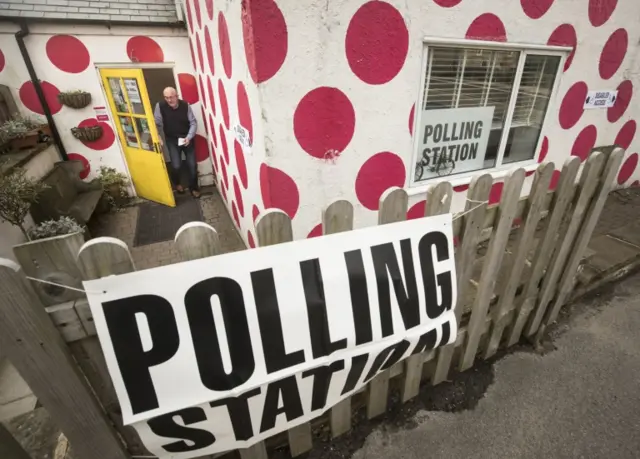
[(175, 122)]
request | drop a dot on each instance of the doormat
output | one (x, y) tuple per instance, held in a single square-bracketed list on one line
[(159, 223)]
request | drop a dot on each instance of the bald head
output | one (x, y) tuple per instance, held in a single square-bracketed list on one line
[(171, 96)]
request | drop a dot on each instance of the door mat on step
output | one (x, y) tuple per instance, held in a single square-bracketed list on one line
[(159, 223)]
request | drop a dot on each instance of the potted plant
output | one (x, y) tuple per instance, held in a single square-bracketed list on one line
[(23, 132), (75, 99), (115, 185), (17, 193), (87, 133), (52, 228)]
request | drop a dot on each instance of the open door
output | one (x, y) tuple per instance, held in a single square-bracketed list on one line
[(133, 115)]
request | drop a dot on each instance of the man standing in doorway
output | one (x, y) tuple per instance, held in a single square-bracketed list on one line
[(175, 120)]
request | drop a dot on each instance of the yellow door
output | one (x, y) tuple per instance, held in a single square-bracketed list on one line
[(129, 101)]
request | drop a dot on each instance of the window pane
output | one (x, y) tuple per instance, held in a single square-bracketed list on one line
[(532, 102), (133, 92), (117, 93), (129, 131), (467, 94), (145, 134)]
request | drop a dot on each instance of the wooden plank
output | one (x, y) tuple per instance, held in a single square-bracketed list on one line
[(336, 218), (66, 320), (559, 206), (52, 260), (523, 245), (472, 221), (257, 451), (274, 227), (197, 240), (394, 204), (438, 203), (9, 446), (588, 184), (104, 256), (34, 346), (583, 237), (491, 268)]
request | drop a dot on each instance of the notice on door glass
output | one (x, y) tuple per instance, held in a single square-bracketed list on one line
[(132, 91)]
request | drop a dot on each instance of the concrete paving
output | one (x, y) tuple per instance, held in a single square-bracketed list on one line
[(581, 400)]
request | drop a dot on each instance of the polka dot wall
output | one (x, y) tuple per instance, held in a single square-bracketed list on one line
[(338, 101), (67, 62)]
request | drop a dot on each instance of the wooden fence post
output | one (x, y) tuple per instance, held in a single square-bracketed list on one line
[(562, 198), (34, 346), (472, 221), (9, 446), (495, 254), (584, 236), (337, 218), (438, 203), (196, 240), (523, 244), (274, 227)]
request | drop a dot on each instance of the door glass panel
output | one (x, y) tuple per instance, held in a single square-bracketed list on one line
[(145, 134), (134, 95), (118, 95), (129, 131)]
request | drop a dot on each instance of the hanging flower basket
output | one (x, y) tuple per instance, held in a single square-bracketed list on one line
[(87, 134), (75, 99)]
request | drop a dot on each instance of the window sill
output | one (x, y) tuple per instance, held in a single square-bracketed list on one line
[(465, 179)]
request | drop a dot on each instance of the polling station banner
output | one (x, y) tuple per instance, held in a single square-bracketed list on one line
[(219, 353)]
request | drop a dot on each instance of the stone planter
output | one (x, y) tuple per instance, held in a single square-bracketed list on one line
[(31, 138), (75, 99)]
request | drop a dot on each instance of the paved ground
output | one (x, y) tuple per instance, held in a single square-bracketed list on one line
[(580, 400)]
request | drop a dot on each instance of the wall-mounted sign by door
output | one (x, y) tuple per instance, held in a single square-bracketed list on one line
[(101, 113), (600, 99), (452, 141)]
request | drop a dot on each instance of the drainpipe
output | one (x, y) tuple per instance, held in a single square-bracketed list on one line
[(23, 32)]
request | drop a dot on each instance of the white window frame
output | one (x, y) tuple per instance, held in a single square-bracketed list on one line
[(500, 170)]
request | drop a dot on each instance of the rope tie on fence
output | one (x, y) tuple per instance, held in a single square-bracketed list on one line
[(68, 287), (480, 204)]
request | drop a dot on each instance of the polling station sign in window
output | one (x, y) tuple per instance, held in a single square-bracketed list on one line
[(452, 141), (220, 353)]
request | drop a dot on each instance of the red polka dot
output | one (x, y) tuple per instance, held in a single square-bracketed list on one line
[(202, 148), (108, 136), (544, 150), (412, 114), (199, 49), (447, 3), (626, 134), (86, 167), (601, 10), (613, 53), (234, 211), (377, 42), (212, 100), (530, 173), (625, 92), (417, 210), (68, 53), (565, 35), (628, 168), (379, 173), (209, 47), (238, 194), (240, 163), (585, 142), (212, 129), (196, 10), (193, 56), (189, 15), (225, 147), (144, 49), (554, 180), (209, 5), (572, 106), (460, 188), (222, 95), (214, 158), (2, 61), (29, 98), (315, 232), (636, 184), (223, 171), (244, 109), (222, 190), (324, 122), (250, 240), (496, 193), (225, 45), (202, 94), (535, 9), (487, 27), (255, 212), (204, 120), (278, 190), (188, 87), (265, 36)]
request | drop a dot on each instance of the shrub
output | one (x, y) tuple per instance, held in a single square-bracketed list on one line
[(59, 227)]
